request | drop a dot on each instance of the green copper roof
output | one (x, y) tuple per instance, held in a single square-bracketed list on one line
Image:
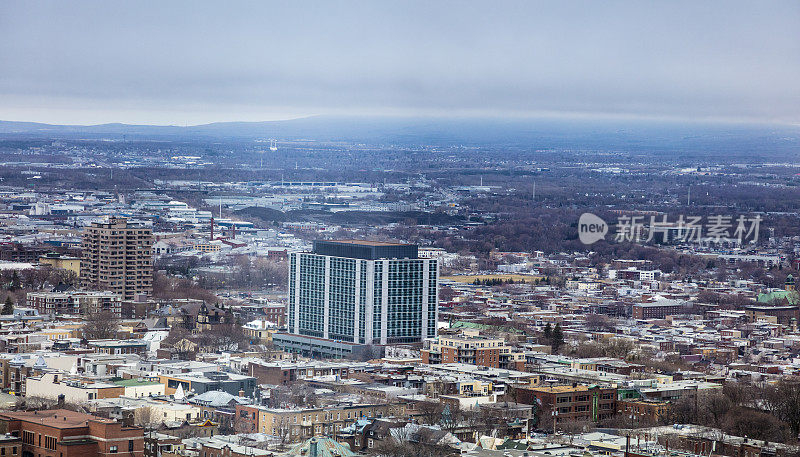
[(778, 296), (477, 326), (320, 447)]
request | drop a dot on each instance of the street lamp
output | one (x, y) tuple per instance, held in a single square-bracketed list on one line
[(555, 419)]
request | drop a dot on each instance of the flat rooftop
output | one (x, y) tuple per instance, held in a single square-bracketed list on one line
[(368, 243), (135, 383), (560, 389), (58, 418), (363, 249)]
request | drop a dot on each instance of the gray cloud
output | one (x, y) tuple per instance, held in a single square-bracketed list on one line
[(196, 61)]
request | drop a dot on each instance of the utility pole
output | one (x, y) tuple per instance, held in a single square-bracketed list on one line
[(627, 443)]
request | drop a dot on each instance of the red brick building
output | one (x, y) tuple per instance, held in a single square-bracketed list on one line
[(572, 403), (10, 446), (275, 313), (658, 309), (246, 418), (646, 412), (63, 433)]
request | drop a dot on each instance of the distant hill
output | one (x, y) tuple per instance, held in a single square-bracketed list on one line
[(627, 136)]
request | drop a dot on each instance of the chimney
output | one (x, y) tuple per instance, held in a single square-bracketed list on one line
[(241, 393), (212, 229)]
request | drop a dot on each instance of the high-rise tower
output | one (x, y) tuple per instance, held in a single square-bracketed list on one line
[(118, 256), (362, 293)]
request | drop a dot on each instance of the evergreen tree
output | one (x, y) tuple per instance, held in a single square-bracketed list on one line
[(557, 338), (548, 332), (8, 307)]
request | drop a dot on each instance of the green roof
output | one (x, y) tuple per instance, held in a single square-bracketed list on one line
[(477, 326), (325, 447), (513, 444), (134, 383), (778, 296)]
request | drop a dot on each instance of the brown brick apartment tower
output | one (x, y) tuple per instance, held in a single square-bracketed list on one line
[(118, 256)]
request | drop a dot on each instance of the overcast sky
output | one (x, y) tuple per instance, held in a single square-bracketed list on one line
[(197, 61)]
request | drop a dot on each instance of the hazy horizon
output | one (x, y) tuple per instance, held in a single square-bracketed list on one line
[(191, 63), (587, 119)]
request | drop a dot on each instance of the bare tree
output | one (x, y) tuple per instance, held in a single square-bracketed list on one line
[(575, 427), (757, 425), (145, 417), (100, 326), (430, 412), (403, 446), (228, 336), (303, 395), (279, 397), (599, 322), (783, 401), (713, 409)]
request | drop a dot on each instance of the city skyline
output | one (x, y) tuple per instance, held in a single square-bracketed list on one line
[(400, 229)]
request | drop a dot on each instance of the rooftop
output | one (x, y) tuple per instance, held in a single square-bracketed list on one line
[(58, 418), (368, 243), (134, 383), (368, 250), (561, 389)]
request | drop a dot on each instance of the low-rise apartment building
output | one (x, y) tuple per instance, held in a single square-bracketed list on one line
[(116, 347), (646, 412), (287, 372), (234, 384), (60, 432), (52, 385), (303, 423), (471, 348), (62, 261), (569, 403), (658, 309), (75, 302)]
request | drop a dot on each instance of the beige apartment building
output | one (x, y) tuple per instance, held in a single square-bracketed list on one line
[(64, 262), (472, 348), (118, 257), (304, 423)]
